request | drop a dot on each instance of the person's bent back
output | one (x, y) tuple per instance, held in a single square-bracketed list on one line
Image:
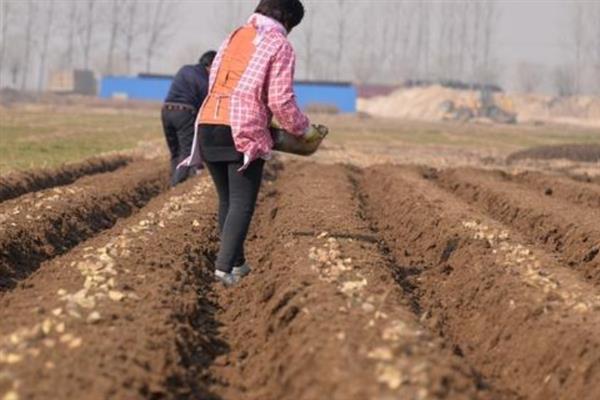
[(251, 81), (186, 95)]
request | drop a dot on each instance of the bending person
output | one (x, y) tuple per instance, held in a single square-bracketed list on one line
[(251, 81), (186, 95)]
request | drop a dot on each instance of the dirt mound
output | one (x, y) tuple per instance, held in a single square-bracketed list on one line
[(430, 103), (17, 183), (574, 152), (538, 108), (416, 103)]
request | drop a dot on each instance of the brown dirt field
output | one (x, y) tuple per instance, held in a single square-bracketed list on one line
[(39, 226), (573, 152), (520, 317), (567, 230), (578, 193), (15, 184), (586, 178), (368, 283), (120, 315), (322, 299)]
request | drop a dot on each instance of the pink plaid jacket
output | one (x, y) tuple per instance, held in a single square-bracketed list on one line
[(264, 90)]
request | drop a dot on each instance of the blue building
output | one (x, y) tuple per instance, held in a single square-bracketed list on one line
[(341, 96)]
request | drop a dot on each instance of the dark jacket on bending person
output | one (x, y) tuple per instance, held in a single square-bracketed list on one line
[(189, 86)]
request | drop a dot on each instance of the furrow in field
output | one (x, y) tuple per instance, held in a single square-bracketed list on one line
[(126, 315), (39, 226), (572, 232), (321, 316), (552, 186), (16, 184), (516, 314)]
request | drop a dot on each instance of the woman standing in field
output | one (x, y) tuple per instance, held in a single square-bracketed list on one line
[(251, 82)]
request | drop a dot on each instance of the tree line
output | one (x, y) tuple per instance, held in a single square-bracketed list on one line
[(391, 42), (107, 36), (361, 41)]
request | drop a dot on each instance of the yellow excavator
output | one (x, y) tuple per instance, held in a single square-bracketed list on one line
[(496, 107)]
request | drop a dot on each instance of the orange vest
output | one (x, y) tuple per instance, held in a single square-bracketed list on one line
[(235, 60)]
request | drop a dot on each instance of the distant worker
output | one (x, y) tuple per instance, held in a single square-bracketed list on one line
[(186, 95), (250, 82)]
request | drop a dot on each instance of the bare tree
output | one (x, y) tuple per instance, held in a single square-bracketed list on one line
[(4, 23), (308, 41), (565, 81), (389, 63), (362, 66), (157, 30), (489, 31), (49, 20), (576, 42), (529, 77), (15, 63), (408, 18), (86, 30), (340, 36), (71, 32), (115, 25), (462, 13), (396, 13), (476, 13), (594, 17), (444, 41), (130, 30), (29, 41)]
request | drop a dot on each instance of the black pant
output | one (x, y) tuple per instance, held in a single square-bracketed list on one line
[(237, 199), (178, 126)]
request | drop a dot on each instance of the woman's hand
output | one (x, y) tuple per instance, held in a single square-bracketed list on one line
[(315, 132)]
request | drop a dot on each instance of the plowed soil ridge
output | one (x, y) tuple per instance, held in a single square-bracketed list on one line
[(575, 152), (578, 193), (523, 320), (321, 316), (39, 226), (126, 315), (16, 184), (570, 231)]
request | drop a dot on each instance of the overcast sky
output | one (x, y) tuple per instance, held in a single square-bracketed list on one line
[(528, 30), (531, 30)]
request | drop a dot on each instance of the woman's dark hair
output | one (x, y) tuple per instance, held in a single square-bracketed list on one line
[(288, 12), (207, 58)]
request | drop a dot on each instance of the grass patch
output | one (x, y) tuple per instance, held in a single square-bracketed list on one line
[(46, 138), (353, 130)]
